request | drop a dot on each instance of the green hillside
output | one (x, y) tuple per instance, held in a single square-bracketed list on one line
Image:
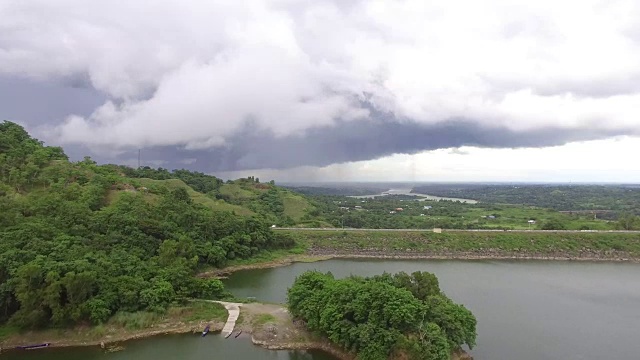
[(81, 242), (246, 197), (286, 208)]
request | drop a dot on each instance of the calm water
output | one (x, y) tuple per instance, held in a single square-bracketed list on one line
[(525, 310), (174, 347)]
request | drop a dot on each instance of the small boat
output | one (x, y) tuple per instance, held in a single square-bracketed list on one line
[(238, 334), (229, 334), (33, 347), (205, 331)]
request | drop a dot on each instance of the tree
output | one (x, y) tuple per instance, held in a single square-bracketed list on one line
[(628, 222), (158, 296), (553, 224), (379, 316)]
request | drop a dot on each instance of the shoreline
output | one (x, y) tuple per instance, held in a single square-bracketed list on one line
[(323, 255), (312, 345), (287, 335), (115, 340), (466, 256), (312, 255)]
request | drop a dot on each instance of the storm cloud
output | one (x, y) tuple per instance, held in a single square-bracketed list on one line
[(253, 148), (225, 86)]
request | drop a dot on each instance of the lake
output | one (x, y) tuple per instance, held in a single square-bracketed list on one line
[(526, 310)]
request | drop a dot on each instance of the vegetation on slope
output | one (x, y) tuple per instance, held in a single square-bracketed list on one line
[(399, 316), (82, 242), (490, 244), (246, 196)]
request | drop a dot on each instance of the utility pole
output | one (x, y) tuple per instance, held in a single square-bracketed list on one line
[(138, 158)]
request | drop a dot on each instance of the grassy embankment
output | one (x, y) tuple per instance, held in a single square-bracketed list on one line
[(123, 326), (325, 244), (605, 246)]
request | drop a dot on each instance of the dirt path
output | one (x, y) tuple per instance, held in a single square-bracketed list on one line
[(234, 313)]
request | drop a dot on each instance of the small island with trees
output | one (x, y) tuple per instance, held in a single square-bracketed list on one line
[(397, 316)]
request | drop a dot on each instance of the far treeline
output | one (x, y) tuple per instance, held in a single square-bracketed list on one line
[(619, 199), (397, 316), (523, 207), (80, 242)]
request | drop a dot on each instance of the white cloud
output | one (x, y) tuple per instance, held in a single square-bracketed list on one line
[(191, 73), (589, 161)]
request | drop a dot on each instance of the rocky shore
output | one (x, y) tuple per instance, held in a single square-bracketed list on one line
[(485, 254)]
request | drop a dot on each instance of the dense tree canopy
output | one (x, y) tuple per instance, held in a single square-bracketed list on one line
[(383, 315), (79, 242)]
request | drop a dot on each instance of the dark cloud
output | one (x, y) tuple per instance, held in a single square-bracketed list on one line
[(181, 81), (253, 148), (34, 103)]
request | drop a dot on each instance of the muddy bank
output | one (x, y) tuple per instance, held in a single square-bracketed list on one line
[(322, 346), (280, 332), (321, 254), (79, 337), (224, 272)]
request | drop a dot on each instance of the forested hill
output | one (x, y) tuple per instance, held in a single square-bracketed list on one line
[(80, 241)]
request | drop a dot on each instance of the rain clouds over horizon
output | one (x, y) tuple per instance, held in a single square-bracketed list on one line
[(227, 86)]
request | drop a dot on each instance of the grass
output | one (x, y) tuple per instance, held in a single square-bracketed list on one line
[(7, 330), (240, 319), (295, 206), (516, 217), (587, 244), (263, 319), (122, 325), (134, 320), (98, 331), (236, 192), (195, 311), (271, 255), (201, 310), (198, 198)]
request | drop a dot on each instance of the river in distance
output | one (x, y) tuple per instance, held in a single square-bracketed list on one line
[(526, 310)]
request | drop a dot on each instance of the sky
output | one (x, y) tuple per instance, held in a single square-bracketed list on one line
[(332, 90)]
